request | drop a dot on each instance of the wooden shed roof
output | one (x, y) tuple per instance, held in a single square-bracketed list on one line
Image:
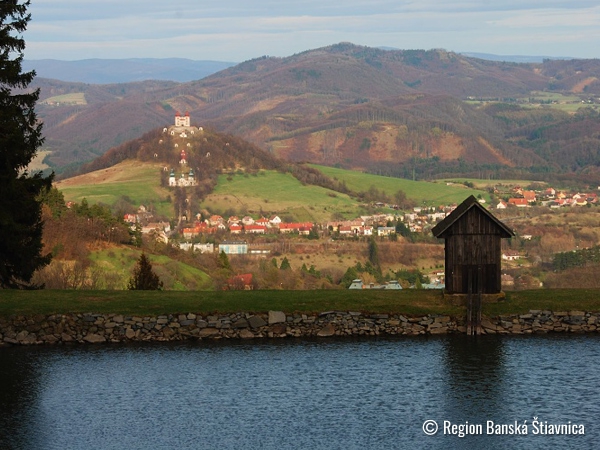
[(469, 203)]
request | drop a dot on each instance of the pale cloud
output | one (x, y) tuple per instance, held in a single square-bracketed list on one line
[(589, 17), (237, 30)]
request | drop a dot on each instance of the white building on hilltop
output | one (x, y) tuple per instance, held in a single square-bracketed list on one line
[(182, 121)]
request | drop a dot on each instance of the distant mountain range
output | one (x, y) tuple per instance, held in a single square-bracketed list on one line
[(412, 113), (514, 58), (109, 71)]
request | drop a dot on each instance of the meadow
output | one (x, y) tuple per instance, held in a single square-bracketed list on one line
[(544, 100), (119, 262), (74, 98), (136, 181), (266, 192), (279, 193), (423, 192)]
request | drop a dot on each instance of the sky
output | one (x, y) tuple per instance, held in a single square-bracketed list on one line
[(239, 30)]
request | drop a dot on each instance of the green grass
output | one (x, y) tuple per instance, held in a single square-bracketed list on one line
[(423, 192), (160, 302), (138, 181), (483, 184), (279, 193), (519, 302), (176, 275), (409, 302)]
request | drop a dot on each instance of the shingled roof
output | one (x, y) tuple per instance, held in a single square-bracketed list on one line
[(470, 202)]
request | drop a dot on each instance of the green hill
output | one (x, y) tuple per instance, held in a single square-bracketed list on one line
[(422, 192), (134, 181), (271, 192), (262, 192), (119, 262)]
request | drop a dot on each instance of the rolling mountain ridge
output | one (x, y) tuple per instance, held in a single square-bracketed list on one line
[(425, 112)]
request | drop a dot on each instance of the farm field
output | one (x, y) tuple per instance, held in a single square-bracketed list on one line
[(484, 184), (75, 98), (544, 100), (278, 193), (423, 192), (136, 180)]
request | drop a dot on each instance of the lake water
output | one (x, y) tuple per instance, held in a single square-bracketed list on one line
[(303, 394)]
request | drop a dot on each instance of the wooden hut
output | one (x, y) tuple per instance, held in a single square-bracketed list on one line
[(473, 255)]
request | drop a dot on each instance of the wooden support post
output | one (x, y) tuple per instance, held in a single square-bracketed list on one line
[(469, 302), (479, 294)]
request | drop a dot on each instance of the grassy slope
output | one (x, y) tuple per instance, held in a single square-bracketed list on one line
[(135, 179), (269, 191), (422, 192), (278, 193), (410, 302), (175, 274), (482, 184)]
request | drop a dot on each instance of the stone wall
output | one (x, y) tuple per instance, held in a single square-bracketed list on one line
[(98, 328)]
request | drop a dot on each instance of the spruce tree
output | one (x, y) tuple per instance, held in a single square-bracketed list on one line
[(144, 278), (21, 223)]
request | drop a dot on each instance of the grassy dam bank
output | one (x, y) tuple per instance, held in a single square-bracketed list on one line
[(38, 317)]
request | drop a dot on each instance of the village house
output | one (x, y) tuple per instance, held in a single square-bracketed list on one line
[(130, 218), (201, 248), (274, 221), (345, 230), (367, 231), (511, 255), (204, 248), (386, 231), (507, 280), (518, 202), (156, 227), (255, 229), (501, 205), (233, 247), (215, 220), (529, 196), (247, 220), (235, 228), (199, 228), (300, 227), (353, 224), (262, 221), (435, 217)]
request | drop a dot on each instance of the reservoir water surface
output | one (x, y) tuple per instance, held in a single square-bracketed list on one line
[(425, 392)]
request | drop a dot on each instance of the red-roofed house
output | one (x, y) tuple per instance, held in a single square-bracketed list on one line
[(262, 221), (519, 202), (255, 229), (215, 220), (301, 227), (529, 196), (240, 282), (235, 228)]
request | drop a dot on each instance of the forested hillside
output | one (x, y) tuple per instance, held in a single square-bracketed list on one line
[(410, 113)]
